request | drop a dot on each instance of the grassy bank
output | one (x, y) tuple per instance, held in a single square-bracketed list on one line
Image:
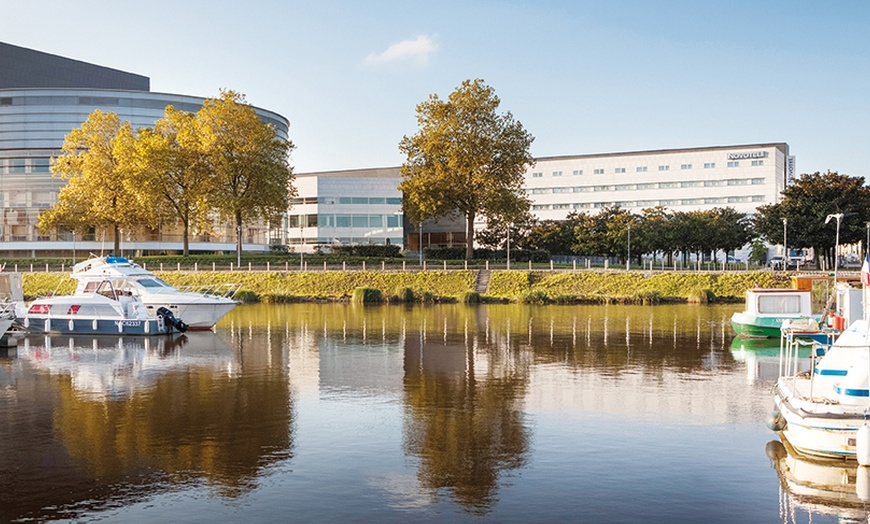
[(522, 286)]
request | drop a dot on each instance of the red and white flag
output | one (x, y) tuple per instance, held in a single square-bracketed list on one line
[(865, 270)]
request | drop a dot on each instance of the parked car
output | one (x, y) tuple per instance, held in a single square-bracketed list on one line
[(778, 262)]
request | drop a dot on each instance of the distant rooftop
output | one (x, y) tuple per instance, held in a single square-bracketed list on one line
[(26, 68)]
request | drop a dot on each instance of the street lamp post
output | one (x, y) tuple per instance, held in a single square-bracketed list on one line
[(867, 245), (838, 216), (420, 232), (628, 258), (784, 244), (301, 246)]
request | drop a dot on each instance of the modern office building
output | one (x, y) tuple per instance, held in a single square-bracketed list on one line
[(42, 98), (743, 177)]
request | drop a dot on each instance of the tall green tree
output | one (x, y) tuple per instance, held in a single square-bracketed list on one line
[(807, 202), (172, 172), (249, 161), (466, 158), (99, 193)]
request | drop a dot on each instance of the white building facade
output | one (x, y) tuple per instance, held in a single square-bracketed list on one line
[(743, 177)]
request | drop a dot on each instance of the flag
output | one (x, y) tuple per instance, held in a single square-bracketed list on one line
[(865, 270)]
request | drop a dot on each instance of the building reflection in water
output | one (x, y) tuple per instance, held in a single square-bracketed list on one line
[(132, 417)]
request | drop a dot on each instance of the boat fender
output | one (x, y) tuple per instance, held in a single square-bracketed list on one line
[(862, 445), (775, 421), (862, 483), (775, 450), (171, 320)]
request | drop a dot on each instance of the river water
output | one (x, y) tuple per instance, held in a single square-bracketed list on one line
[(334, 412)]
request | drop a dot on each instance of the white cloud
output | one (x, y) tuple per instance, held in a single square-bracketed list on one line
[(417, 50)]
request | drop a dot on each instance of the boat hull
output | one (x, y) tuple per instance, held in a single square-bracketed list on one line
[(199, 316), (73, 326), (828, 431), (752, 326)]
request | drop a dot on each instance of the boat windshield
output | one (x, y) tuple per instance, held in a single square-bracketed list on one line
[(153, 283)]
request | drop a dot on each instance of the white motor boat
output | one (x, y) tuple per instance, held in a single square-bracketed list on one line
[(200, 309), (102, 310)]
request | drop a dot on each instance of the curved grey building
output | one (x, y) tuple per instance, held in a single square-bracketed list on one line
[(42, 98)]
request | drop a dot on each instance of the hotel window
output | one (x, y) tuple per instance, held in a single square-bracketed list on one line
[(693, 183), (394, 200), (732, 200), (625, 187), (598, 171), (692, 201), (668, 185), (537, 174), (582, 189), (578, 172), (603, 188), (561, 206), (619, 170), (641, 169), (758, 198), (669, 202), (686, 166), (713, 183), (737, 182), (714, 200), (647, 203), (601, 204), (709, 165), (584, 205), (664, 168), (561, 190), (646, 186), (541, 190), (557, 173), (626, 203), (734, 163), (540, 206), (757, 181), (758, 162)]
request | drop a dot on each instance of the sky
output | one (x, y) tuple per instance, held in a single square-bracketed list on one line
[(583, 77)]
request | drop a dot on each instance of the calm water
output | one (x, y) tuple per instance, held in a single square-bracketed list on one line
[(342, 413)]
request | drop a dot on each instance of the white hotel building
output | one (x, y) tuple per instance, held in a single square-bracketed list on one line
[(364, 205), (743, 177)]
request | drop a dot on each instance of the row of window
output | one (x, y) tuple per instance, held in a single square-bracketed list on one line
[(345, 241), (654, 203), (648, 185), (644, 169), (346, 200), (348, 220), (24, 165)]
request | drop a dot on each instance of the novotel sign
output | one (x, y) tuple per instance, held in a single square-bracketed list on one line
[(753, 154)]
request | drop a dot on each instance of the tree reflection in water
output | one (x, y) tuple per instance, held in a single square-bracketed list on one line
[(463, 400)]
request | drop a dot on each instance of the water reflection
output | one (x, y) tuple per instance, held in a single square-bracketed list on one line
[(818, 487), (449, 404), (112, 420)]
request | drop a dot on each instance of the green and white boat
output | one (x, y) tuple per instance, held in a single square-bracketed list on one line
[(767, 309)]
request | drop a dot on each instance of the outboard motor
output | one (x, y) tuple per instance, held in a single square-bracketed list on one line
[(170, 319)]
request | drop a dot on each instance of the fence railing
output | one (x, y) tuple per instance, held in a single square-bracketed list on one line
[(304, 265)]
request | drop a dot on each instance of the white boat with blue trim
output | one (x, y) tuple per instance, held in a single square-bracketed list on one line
[(103, 310), (821, 412)]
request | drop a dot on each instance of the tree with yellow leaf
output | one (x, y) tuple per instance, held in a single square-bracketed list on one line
[(249, 162), (98, 192), (172, 172), (466, 159)]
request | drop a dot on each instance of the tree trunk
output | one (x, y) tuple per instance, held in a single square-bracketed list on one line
[(117, 248), (469, 236), (186, 239), (239, 235)]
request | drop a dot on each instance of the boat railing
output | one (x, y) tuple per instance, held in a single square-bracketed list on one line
[(213, 290), (795, 339)]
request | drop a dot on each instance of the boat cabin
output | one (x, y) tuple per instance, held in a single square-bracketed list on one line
[(779, 302)]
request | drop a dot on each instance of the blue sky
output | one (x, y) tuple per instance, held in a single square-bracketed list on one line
[(582, 77)]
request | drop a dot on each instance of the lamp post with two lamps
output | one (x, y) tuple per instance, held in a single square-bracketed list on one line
[(839, 217)]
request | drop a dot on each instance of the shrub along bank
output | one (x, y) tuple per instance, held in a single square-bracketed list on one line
[(538, 287)]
